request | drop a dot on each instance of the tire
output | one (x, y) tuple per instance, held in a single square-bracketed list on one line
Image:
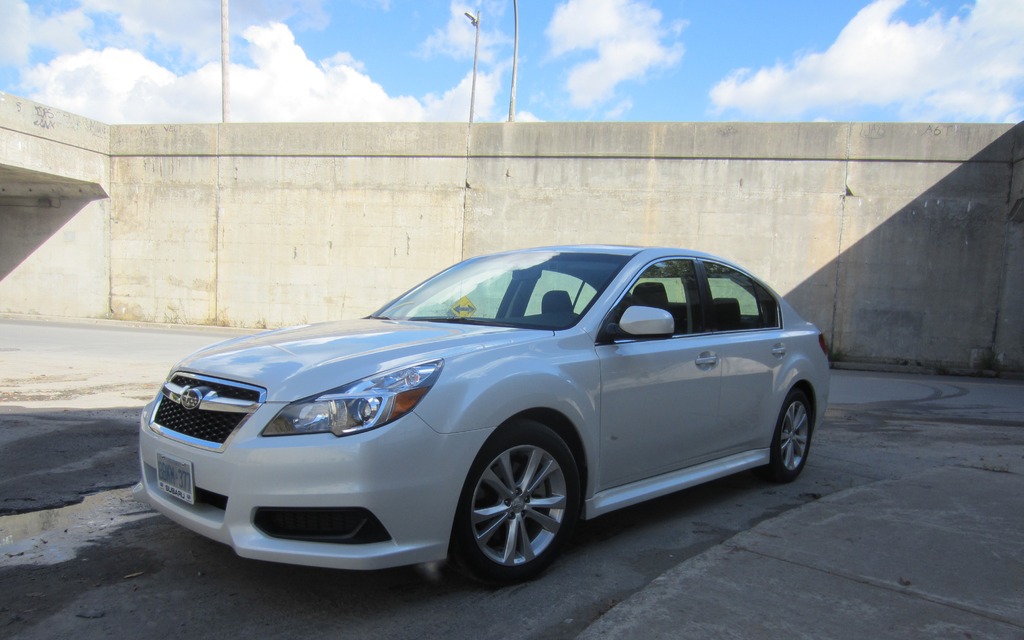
[(518, 506), (791, 441)]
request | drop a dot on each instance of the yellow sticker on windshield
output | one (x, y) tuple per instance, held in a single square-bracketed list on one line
[(464, 308)]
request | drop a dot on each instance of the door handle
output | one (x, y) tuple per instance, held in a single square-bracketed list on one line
[(706, 360), (779, 350)]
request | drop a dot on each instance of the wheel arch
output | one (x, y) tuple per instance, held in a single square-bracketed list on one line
[(564, 429), (562, 426), (808, 390)]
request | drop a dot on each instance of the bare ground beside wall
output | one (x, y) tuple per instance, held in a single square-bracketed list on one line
[(903, 241)]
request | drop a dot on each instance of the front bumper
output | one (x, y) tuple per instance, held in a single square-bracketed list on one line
[(405, 474)]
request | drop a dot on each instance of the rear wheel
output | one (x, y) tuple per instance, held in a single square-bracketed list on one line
[(518, 506), (792, 439)]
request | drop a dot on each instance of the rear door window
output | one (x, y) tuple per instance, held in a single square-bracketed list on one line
[(738, 302)]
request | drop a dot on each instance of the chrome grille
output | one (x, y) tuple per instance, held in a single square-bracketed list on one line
[(211, 426), (202, 411), (224, 389)]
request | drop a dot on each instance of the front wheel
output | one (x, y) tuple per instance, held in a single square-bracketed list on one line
[(791, 441), (518, 506)]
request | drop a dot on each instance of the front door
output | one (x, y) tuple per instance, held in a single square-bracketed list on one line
[(660, 395)]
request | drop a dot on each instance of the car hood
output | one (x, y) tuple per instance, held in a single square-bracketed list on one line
[(302, 361)]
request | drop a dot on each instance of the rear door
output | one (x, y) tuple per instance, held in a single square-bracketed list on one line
[(744, 319)]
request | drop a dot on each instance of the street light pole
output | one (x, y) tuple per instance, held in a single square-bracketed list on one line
[(475, 20), (225, 63), (515, 58)]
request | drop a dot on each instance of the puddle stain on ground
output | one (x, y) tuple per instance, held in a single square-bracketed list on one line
[(54, 535)]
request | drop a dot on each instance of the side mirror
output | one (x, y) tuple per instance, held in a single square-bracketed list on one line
[(647, 321)]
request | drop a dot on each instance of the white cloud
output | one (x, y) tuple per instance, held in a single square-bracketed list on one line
[(281, 85), (21, 31), (943, 68), (526, 116), (627, 37), (185, 33), (187, 29), (457, 39), (619, 110), (15, 38), (62, 32), (112, 85), (453, 106), (286, 86)]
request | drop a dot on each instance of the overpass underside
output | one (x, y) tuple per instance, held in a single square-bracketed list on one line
[(24, 188)]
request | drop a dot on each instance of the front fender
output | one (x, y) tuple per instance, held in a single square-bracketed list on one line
[(481, 390)]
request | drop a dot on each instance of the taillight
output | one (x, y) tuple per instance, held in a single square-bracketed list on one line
[(822, 344)]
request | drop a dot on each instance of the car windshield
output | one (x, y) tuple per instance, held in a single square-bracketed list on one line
[(535, 289)]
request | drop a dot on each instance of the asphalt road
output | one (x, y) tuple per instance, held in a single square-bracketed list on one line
[(69, 397)]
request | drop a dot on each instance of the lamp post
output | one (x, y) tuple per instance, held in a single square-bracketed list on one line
[(515, 58), (475, 20), (225, 63)]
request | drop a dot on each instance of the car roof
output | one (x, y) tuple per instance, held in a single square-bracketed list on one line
[(620, 250)]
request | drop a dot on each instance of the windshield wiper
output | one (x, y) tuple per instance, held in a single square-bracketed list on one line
[(488, 322), (451, 319)]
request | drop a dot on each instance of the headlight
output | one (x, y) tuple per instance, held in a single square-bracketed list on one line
[(359, 406)]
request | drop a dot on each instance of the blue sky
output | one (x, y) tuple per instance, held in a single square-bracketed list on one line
[(146, 61)]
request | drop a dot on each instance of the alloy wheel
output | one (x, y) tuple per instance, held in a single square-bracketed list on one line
[(518, 505), (794, 436)]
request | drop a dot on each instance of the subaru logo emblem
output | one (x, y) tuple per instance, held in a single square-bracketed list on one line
[(191, 397)]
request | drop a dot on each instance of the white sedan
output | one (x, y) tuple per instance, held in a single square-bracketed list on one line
[(481, 414)]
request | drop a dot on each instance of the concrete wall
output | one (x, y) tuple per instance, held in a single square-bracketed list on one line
[(894, 238), (54, 211), (1008, 346), (922, 270), (767, 196), (269, 225), (903, 242)]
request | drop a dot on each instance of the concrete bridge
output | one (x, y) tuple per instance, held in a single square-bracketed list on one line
[(904, 242)]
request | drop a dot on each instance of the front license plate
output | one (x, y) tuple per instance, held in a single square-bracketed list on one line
[(174, 476)]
